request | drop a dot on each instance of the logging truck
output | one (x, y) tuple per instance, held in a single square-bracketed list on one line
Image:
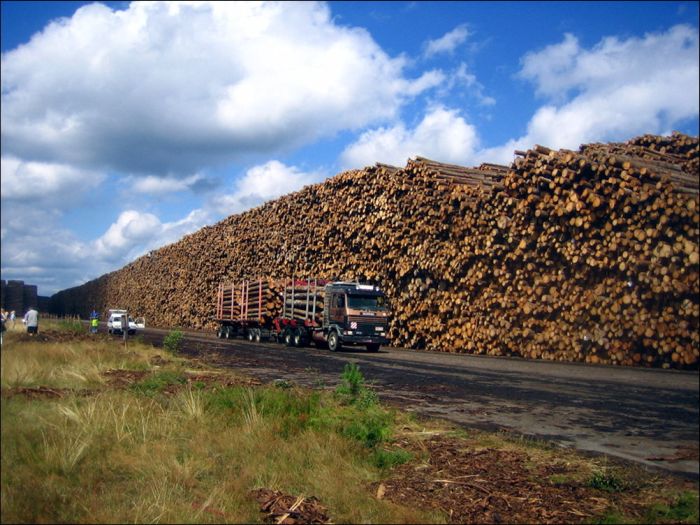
[(298, 312)]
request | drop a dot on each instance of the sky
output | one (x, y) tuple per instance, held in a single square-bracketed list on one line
[(126, 126)]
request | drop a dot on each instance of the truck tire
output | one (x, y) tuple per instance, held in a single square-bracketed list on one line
[(228, 333), (373, 347), (334, 344), (220, 332), (287, 337), (298, 338), (257, 335), (250, 335)]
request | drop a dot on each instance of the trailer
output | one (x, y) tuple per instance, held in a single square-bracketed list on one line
[(298, 312)]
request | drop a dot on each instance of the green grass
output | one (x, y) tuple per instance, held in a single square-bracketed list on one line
[(158, 382), (683, 509)]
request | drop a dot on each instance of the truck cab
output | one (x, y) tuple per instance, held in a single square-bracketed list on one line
[(355, 314)]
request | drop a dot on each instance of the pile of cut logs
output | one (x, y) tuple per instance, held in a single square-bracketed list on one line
[(588, 255)]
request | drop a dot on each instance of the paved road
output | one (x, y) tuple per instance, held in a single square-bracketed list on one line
[(647, 416)]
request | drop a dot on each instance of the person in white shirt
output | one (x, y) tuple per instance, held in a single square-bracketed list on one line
[(31, 319)]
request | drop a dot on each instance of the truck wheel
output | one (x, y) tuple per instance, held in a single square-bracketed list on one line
[(298, 338), (229, 332), (334, 344), (288, 339), (220, 332), (373, 347), (249, 335), (257, 335)]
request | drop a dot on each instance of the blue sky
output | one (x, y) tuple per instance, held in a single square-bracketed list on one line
[(126, 126)]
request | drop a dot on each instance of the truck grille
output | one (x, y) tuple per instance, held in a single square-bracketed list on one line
[(368, 325)]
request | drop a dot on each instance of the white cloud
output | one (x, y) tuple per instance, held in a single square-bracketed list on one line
[(617, 89), (161, 185), (263, 183), (45, 182), (165, 89), (135, 233), (448, 42), (442, 135)]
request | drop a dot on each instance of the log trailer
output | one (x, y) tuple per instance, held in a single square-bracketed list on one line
[(297, 312)]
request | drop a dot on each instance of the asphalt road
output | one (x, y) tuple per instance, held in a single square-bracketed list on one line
[(642, 415)]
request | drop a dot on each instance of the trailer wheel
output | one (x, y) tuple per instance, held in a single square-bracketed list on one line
[(334, 344), (257, 335), (373, 347), (220, 332), (288, 339), (229, 332)]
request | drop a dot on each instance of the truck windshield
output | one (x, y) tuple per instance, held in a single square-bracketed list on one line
[(366, 302)]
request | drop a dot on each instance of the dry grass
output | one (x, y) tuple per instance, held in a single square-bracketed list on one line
[(188, 456)]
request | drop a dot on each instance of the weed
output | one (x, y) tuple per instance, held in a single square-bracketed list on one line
[(173, 341), (382, 458), (607, 481)]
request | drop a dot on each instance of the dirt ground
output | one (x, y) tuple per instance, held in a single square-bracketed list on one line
[(489, 485)]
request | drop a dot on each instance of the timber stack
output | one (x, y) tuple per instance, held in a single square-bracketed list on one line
[(587, 255)]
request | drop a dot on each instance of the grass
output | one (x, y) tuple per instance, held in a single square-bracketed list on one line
[(683, 509), (164, 450), (174, 447)]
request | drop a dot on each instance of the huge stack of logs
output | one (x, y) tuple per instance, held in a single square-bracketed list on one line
[(588, 255)]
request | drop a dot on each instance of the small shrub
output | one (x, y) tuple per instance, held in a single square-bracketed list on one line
[(173, 341), (353, 382), (606, 481)]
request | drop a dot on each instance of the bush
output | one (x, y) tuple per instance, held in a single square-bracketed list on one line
[(173, 341), (606, 481)]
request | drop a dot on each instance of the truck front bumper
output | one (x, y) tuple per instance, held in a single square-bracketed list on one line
[(361, 339)]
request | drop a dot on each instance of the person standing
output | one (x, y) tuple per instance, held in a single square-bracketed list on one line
[(31, 319), (12, 318)]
